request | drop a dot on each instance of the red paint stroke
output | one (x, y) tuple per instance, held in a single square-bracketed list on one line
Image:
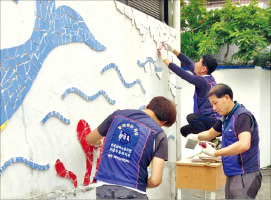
[(83, 130), (61, 171)]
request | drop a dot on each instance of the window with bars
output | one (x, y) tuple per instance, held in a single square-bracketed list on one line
[(155, 8)]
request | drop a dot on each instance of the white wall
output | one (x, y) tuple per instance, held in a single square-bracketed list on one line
[(128, 38), (251, 87)]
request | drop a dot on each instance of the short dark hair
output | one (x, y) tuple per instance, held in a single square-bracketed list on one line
[(164, 109), (220, 90), (210, 62)]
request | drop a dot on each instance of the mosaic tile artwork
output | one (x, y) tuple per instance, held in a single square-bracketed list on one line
[(88, 98), (149, 60), (146, 24), (26, 162), (20, 64), (171, 136), (83, 130), (63, 172), (55, 114), (113, 65), (142, 107)]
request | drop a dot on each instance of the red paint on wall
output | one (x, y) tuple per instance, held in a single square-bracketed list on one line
[(83, 130), (63, 172)]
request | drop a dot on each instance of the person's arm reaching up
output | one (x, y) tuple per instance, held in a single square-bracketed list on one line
[(186, 61), (196, 80)]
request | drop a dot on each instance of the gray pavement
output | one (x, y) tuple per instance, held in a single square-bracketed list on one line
[(264, 192)]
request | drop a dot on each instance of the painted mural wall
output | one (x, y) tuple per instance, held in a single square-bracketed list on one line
[(65, 66)]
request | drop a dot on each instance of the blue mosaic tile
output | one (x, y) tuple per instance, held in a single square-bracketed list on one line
[(15, 84), (11, 89), (171, 136), (34, 47), (5, 96), (27, 47), (113, 65), (9, 109), (8, 74), (2, 111), (3, 72), (25, 58), (27, 67), (37, 24), (42, 45), (20, 81), (36, 36), (23, 92), (4, 66), (36, 62), (13, 75), (21, 71), (55, 114), (57, 26), (18, 60), (28, 84), (20, 50), (13, 99), (5, 85), (32, 74), (149, 59), (2, 56), (44, 25), (11, 52), (35, 50), (31, 164), (10, 63), (18, 102), (88, 98), (142, 107), (43, 11)]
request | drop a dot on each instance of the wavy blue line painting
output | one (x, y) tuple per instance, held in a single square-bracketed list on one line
[(149, 60), (88, 98), (55, 114), (113, 65), (20, 64), (142, 107), (25, 161)]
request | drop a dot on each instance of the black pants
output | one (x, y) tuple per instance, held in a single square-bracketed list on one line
[(117, 192), (197, 124)]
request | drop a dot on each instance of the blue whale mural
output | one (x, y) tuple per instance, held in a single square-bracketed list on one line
[(20, 64)]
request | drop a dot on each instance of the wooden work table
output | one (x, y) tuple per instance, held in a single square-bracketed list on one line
[(199, 175)]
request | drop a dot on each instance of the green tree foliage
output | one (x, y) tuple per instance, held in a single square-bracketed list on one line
[(206, 32)]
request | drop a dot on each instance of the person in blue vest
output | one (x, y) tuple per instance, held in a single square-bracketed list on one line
[(203, 116), (240, 144), (134, 139)]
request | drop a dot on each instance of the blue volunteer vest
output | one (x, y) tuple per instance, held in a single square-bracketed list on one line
[(128, 149), (202, 105), (248, 161)]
